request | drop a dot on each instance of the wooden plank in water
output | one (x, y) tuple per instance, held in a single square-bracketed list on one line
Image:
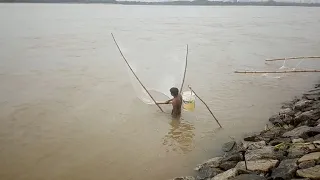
[(264, 72), (292, 58)]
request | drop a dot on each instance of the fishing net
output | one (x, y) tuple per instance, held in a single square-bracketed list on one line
[(158, 73)]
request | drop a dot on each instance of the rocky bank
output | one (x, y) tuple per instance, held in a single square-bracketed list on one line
[(287, 150)]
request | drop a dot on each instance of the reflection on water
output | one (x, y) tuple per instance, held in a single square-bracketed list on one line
[(180, 136)]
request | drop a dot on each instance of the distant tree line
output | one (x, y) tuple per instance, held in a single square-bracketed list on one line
[(181, 3)]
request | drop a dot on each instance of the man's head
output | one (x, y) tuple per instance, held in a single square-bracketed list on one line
[(174, 91)]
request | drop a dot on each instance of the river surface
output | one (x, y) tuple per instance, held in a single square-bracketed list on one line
[(67, 107)]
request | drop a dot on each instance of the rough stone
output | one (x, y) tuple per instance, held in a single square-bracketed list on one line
[(288, 120), (314, 131), (298, 150), (312, 173), (228, 146), (266, 152), (307, 164), (297, 132), (286, 169), (300, 140), (233, 157), (316, 105), (312, 96), (279, 141), (317, 144), (213, 163), (309, 116), (207, 172), (276, 119), (253, 145), (184, 178), (314, 138), (226, 175), (263, 165), (312, 156), (249, 177), (228, 165), (250, 138), (287, 111), (302, 104)]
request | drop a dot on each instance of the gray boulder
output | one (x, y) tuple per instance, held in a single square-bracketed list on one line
[(287, 111), (233, 157), (312, 173), (307, 164), (298, 132), (279, 141), (226, 175), (252, 138), (299, 150), (184, 178), (314, 131), (314, 96), (299, 140), (317, 143), (266, 152), (228, 146), (212, 163), (286, 169), (249, 177), (253, 145), (302, 104), (263, 165), (269, 135), (208, 172), (309, 116), (228, 165), (308, 157), (277, 119)]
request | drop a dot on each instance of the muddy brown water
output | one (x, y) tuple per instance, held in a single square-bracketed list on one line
[(67, 107)]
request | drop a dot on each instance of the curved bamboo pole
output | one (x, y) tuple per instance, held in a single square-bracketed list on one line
[(205, 105), (292, 58), (134, 73), (185, 69), (263, 72)]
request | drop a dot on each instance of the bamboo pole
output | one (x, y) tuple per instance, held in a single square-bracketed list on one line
[(263, 72), (134, 72), (205, 105), (292, 58), (185, 69)]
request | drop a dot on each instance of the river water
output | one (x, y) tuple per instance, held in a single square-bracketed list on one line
[(67, 107)]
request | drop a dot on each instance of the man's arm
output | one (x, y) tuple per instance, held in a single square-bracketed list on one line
[(167, 102)]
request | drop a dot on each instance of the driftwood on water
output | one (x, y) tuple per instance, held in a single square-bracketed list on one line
[(205, 105), (292, 58), (263, 72), (134, 72)]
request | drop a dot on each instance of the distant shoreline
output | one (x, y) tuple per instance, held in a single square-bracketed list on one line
[(172, 3)]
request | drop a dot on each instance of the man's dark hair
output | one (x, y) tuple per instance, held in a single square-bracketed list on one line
[(174, 91)]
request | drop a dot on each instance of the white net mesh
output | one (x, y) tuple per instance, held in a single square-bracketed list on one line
[(157, 74)]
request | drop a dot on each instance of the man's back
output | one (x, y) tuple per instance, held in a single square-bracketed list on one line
[(176, 106)]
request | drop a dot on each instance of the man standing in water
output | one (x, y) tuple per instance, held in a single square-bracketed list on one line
[(176, 102)]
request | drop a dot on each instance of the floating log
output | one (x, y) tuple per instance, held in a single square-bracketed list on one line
[(124, 58), (264, 72), (205, 105), (292, 58)]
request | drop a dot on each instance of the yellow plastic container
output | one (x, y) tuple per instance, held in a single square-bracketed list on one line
[(188, 101)]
